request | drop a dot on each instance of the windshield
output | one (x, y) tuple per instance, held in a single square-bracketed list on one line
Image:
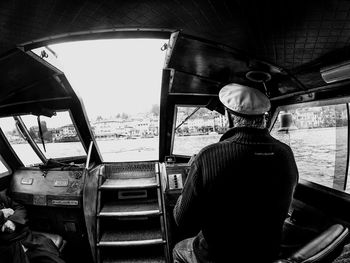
[(196, 128), (60, 137), (58, 133), (119, 82), (19, 144)]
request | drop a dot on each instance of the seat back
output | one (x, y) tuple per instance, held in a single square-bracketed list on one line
[(320, 247)]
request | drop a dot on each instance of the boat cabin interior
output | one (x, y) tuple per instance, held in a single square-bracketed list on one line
[(101, 201)]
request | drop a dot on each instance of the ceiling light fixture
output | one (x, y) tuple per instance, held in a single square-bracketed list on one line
[(259, 77), (335, 73)]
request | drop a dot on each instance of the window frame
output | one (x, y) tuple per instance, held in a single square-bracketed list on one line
[(320, 103)]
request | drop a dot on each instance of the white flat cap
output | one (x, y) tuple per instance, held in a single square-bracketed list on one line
[(244, 100)]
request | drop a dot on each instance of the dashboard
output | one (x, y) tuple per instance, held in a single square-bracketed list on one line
[(52, 188)]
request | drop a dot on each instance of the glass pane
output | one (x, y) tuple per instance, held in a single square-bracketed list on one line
[(203, 128), (127, 138), (318, 138), (22, 148), (121, 93), (3, 168), (59, 134)]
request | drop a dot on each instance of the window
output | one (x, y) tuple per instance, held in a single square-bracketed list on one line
[(3, 168), (196, 128), (120, 90), (22, 148), (58, 133), (318, 137)]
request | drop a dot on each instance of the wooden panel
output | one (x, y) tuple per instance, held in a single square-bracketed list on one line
[(37, 91), (206, 59), (90, 206), (182, 83), (25, 78), (203, 67), (19, 70)]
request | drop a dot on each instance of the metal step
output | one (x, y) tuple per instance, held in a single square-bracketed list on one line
[(130, 209), (138, 183), (131, 237), (131, 243), (138, 259), (151, 254)]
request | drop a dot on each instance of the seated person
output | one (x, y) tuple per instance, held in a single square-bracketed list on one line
[(238, 191), (17, 242)]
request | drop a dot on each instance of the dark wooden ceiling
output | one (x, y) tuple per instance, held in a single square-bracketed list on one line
[(287, 33)]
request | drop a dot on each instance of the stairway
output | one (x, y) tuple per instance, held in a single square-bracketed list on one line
[(130, 219)]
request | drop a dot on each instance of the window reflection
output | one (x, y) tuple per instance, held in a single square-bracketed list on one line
[(319, 142)]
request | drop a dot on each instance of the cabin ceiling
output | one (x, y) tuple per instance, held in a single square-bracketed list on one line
[(295, 35), (287, 33)]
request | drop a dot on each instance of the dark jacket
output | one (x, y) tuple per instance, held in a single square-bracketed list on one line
[(237, 194), (39, 248), (19, 218)]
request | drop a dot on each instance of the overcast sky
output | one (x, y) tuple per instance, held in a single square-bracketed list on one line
[(114, 76)]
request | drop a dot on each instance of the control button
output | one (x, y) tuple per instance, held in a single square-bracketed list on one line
[(27, 181)]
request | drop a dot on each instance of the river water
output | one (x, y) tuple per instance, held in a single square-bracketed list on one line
[(320, 153)]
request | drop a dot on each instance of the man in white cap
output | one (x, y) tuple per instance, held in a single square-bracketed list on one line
[(239, 190)]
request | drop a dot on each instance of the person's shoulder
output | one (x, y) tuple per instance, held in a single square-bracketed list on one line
[(209, 149), (282, 145)]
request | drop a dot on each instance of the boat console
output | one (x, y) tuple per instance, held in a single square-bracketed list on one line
[(50, 188)]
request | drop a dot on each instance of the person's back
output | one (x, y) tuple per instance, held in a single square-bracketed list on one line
[(238, 193), (249, 181)]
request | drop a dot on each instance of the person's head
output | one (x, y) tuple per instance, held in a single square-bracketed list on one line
[(245, 106)]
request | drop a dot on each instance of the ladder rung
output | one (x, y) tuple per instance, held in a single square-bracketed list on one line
[(130, 214), (137, 233), (135, 259), (131, 243), (129, 208), (138, 183)]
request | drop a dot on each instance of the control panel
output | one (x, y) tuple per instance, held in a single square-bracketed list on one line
[(55, 187), (175, 181), (176, 176)]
